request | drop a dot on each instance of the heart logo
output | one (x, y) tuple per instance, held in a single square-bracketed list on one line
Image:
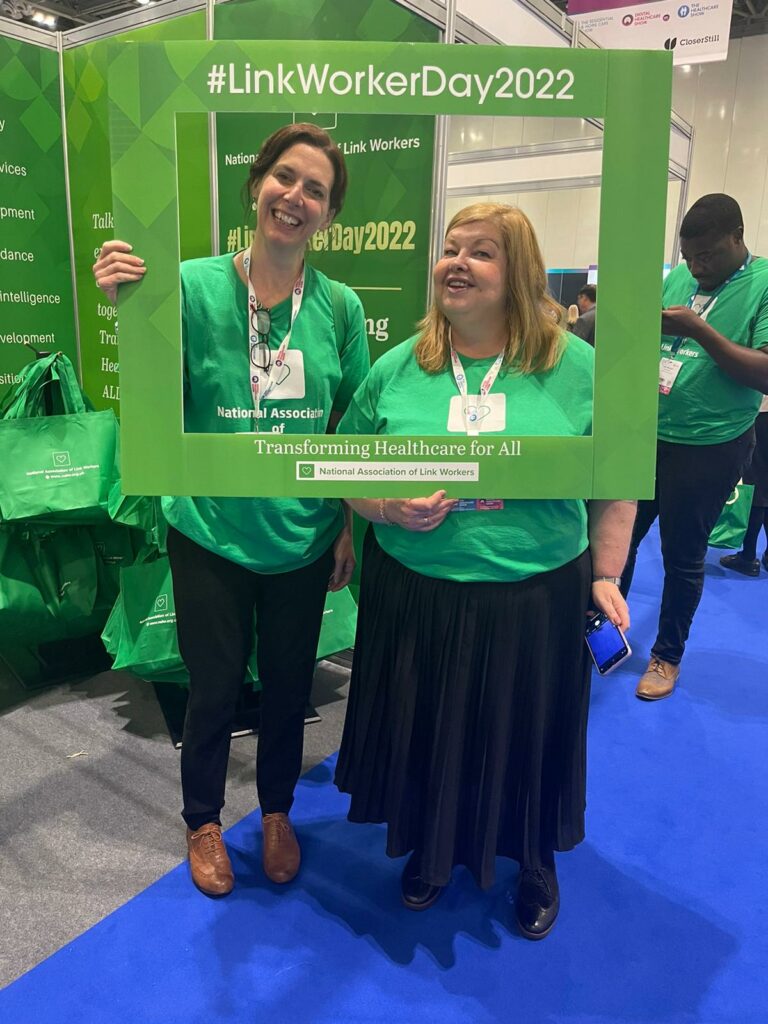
[(475, 413), (307, 469)]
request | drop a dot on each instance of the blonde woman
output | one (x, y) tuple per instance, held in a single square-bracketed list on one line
[(467, 714)]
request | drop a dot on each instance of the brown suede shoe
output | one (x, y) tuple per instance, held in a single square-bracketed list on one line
[(209, 861), (658, 680), (282, 855)]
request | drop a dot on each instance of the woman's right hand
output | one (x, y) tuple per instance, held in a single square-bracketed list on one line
[(419, 514), (116, 265)]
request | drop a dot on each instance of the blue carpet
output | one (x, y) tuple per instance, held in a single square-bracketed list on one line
[(663, 907)]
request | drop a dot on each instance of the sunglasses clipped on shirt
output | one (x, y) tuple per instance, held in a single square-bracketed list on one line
[(261, 353)]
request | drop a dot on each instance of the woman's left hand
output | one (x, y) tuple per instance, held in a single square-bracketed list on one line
[(343, 560), (607, 598)]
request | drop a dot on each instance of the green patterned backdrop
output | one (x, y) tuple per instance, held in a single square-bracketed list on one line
[(35, 279), (87, 110)]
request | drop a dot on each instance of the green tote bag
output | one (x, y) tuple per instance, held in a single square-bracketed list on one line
[(732, 525), (56, 468), (48, 585)]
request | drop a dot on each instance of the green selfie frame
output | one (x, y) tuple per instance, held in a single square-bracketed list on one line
[(150, 83)]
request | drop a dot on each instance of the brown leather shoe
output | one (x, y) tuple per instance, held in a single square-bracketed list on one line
[(209, 861), (282, 855), (658, 680)]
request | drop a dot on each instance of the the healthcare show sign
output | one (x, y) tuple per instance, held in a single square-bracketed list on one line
[(36, 309), (695, 31), (151, 84)]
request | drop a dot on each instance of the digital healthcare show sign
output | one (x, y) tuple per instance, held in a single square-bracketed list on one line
[(695, 32)]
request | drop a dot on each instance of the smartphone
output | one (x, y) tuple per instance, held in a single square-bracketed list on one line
[(606, 642)]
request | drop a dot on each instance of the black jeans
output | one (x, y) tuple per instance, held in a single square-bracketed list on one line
[(215, 600), (692, 484)]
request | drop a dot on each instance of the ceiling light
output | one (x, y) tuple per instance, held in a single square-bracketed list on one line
[(46, 20)]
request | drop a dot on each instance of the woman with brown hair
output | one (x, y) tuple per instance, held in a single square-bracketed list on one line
[(273, 340), (468, 704)]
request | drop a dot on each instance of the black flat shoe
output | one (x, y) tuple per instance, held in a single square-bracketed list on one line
[(738, 563), (537, 903), (418, 894)]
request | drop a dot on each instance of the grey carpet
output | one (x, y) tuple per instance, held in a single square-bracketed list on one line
[(90, 800)]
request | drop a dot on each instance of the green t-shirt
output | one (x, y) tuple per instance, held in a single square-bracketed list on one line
[(524, 537), (705, 405), (264, 534)]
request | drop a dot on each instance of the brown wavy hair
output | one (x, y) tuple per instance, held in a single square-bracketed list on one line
[(273, 147), (533, 317)]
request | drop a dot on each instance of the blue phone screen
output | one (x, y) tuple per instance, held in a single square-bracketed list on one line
[(606, 642)]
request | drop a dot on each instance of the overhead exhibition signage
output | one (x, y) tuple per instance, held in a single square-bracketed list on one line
[(153, 82), (695, 32)]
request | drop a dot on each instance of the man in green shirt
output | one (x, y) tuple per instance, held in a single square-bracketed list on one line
[(712, 372)]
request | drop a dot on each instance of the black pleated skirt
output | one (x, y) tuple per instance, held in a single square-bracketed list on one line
[(467, 716)]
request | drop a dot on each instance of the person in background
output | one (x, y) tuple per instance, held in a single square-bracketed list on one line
[(584, 327), (467, 716), (267, 334), (746, 561), (712, 372)]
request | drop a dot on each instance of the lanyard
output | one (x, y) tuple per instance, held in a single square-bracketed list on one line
[(260, 388), (461, 383), (704, 310)]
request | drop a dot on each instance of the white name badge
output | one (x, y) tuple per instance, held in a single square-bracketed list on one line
[(668, 371), (289, 383), (483, 414)]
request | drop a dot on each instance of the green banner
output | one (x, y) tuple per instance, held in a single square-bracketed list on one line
[(379, 245), (351, 20), (35, 280), (87, 107), (151, 83)]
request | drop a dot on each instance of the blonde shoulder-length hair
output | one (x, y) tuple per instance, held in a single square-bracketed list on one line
[(533, 317)]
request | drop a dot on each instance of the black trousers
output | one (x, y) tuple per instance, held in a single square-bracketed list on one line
[(692, 485), (215, 600)]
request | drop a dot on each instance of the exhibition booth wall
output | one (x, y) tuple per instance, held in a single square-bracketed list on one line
[(550, 166), (726, 103), (391, 207)]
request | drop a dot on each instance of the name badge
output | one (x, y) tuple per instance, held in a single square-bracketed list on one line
[(478, 505), (289, 382), (668, 371), (483, 414)]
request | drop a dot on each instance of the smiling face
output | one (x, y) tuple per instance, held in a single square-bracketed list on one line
[(292, 199), (471, 276)]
